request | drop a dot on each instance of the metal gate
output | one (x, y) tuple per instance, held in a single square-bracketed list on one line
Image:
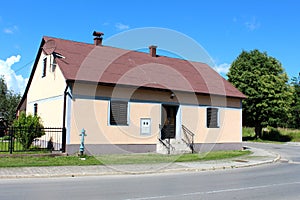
[(52, 140)]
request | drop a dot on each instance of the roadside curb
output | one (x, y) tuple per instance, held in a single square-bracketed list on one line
[(47, 172)]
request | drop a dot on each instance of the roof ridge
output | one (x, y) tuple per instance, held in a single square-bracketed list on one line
[(51, 37), (124, 49)]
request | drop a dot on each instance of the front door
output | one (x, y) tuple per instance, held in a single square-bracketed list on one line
[(168, 117)]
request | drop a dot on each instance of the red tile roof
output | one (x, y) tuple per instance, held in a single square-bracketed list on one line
[(104, 64)]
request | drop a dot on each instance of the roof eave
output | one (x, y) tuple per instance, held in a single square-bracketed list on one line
[(241, 96), (31, 74)]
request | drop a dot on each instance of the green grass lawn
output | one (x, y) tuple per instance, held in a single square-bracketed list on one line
[(293, 133), (158, 158), (32, 161), (38, 161), (4, 146), (280, 135)]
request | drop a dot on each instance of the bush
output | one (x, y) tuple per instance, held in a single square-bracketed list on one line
[(294, 134), (27, 128), (273, 134), (5, 137)]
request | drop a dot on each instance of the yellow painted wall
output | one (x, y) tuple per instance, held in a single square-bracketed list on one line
[(48, 93)]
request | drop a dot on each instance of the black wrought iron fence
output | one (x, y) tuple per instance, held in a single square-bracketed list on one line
[(11, 140)]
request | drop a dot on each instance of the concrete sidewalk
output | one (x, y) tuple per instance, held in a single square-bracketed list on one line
[(258, 157)]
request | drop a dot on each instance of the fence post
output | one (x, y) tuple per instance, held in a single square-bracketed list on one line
[(11, 140), (64, 139)]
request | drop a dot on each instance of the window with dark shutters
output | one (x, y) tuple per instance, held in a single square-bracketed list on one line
[(212, 117), (44, 67), (118, 113), (35, 109)]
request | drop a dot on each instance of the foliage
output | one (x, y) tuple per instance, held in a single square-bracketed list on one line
[(8, 102), (263, 80), (248, 133), (271, 134), (294, 134), (27, 128), (294, 119)]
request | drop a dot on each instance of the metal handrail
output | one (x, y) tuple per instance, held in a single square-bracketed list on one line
[(189, 135)]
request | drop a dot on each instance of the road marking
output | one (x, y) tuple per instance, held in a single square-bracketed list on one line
[(294, 162), (215, 191)]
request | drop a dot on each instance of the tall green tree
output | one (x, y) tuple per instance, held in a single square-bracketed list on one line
[(263, 80), (8, 102), (3, 92), (294, 120)]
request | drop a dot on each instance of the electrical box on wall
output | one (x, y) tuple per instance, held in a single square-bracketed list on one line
[(145, 126)]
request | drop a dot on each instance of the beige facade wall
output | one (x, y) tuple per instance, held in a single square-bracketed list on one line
[(229, 131), (47, 92), (90, 110), (93, 116)]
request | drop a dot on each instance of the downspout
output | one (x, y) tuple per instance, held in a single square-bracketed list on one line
[(64, 132), (65, 105)]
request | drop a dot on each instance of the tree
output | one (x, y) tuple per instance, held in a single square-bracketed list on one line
[(8, 102), (294, 120), (27, 128), (3, 92), (263, 80)]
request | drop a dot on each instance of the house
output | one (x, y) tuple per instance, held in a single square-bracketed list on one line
[(130, 101)]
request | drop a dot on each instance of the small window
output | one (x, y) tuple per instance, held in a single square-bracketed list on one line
[(212, 118), (35, 109), (44, 67), (53, 66), (118, 113)]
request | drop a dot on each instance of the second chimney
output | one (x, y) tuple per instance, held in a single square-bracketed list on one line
[(98, 38), (152, 51)]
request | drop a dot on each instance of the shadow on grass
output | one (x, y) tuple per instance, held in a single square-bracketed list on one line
[(271, 135), (249, 138), (276, 136)]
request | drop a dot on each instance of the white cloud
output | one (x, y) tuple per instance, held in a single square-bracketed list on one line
[(10, 30), (253, 24), (14, 82), (222, 69), (121, 26)]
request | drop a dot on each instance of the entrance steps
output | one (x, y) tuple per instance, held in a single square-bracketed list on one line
[(176, 147)]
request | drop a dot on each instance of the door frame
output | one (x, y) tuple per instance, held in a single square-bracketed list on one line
[(171, 109)]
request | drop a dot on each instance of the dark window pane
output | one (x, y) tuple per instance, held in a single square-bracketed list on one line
[(118, 112), (35, 109), (44, 67), (212, 118)]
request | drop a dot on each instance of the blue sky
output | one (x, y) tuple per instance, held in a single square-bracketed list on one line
[(222, 28)]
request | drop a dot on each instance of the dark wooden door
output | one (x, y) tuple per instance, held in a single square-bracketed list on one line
[(169, 113)]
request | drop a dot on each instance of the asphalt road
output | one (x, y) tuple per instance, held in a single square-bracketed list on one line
[(275, 181)]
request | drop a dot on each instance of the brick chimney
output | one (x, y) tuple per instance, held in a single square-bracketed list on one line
[(152, 50), (98, 38)]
